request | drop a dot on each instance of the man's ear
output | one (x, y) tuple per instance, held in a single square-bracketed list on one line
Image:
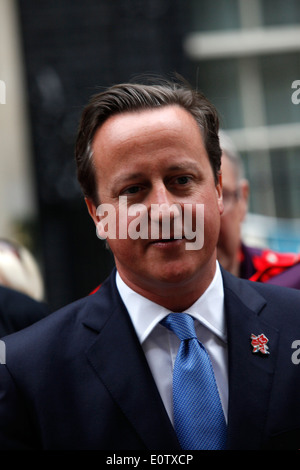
[(244, 197), (92, 210), (96, 218), (219, 193)]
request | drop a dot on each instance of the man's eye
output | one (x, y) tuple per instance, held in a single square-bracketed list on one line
[(182, 180), (132, 190)]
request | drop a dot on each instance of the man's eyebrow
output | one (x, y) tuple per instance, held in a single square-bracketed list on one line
[(121, 179), (185, 165)]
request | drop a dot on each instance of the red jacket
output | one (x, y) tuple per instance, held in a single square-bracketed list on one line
[(268, 266)]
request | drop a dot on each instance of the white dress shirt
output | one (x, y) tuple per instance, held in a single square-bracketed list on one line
[(160, 345)]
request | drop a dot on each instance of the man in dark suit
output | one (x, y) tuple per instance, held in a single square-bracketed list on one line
[(98, 373), (18, 310)]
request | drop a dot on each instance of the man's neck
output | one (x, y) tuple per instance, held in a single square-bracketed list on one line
[(174, 297)]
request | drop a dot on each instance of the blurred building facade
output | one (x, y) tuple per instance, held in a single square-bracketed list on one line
[(71, 50), (18, 204), (244, 55)]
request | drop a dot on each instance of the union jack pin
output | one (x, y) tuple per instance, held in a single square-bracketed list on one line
[(259, 344)]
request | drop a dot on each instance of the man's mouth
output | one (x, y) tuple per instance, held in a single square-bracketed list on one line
[(167, 241)]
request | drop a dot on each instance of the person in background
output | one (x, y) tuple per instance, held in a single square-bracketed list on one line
[(19, 270), (21, 288), (100, 373), (253, 263), (18, 310)]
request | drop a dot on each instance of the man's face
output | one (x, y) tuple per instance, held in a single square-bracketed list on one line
[(157, 157), (235, 198)]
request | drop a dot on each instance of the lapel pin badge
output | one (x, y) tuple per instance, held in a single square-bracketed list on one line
[(259, 344)]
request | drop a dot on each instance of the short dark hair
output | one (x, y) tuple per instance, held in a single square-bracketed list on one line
[(128, 97)]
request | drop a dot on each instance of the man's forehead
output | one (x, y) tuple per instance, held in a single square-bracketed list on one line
[(163, 125), (172, 112)]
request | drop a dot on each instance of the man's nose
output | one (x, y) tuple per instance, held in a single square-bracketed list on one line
[(159, 195), (162, 206)]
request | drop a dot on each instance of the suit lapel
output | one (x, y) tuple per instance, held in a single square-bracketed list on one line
[(120, 364), (250, 374), (118, 359)]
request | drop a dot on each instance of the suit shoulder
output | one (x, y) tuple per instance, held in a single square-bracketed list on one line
[(251, 292), (52, 327), (276, 291), (68, 321), (61, 337), (242, 286), (279, 306)]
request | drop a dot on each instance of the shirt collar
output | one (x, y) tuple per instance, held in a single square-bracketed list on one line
[(145, 314)]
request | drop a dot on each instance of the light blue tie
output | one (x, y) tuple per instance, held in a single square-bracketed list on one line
[(198, 415)]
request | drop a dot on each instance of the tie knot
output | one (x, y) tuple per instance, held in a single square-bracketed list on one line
[(181, 324)]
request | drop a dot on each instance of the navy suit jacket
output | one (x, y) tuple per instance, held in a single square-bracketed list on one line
[(79, 379)]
